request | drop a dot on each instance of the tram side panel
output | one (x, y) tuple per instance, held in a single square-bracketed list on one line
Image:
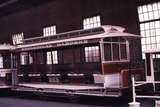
[(71, 66), (5, 68)]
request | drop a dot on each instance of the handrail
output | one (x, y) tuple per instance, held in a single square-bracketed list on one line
[(140, 83)]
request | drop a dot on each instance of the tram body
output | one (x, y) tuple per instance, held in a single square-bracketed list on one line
[(99, 56), (6, 67)]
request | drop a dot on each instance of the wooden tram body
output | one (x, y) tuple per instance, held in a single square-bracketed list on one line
[(97, 57), (6, 67)]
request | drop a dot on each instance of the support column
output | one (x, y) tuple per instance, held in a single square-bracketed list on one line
[(102, 54), (14, 72)]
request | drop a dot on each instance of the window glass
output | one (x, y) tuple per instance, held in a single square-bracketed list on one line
[(144, 8), (24, 58), (92, 54), (55, 57), (1, 61), (115, 50), (49, 31), (150, 32), (52, 56), (107, 52), (143, 41), (91, 22), (149, 7), (49, 58), (17, 38), (123, 51)]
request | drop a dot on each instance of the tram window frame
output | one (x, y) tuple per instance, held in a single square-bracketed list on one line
[(55, 57), (52, 56), (30, 58), (24, 58), (92, 54), (119, 54)]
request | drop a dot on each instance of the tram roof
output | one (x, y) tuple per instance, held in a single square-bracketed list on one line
[(6, 47), (108, 31)]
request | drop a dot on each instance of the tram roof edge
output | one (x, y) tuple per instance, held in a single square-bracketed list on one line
[(97, 36), (7, 47), (106, 28)]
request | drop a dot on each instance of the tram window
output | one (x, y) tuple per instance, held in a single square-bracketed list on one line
[(115, 51), (24, 58), (115, 39), (123, 51), (92, 54), (52, 55), (107, 52), (107, 39), (30, 58), (49, 60), (1, 61)]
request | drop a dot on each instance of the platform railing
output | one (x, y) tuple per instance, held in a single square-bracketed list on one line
[(141, 83)]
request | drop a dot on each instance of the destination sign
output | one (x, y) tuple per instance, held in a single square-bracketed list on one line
[(72, 43)]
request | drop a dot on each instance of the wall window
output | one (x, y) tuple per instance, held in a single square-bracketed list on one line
[(92, 54), (149, 12), (49, 31), (91, 22), (17, 38), (52, 56), (150, 32), (149, 18), (1, 61), (115, 49)]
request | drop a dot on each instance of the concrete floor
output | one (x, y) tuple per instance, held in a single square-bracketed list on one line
[(58, 102)]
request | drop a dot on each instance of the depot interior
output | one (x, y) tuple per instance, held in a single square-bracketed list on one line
[(21, 19)]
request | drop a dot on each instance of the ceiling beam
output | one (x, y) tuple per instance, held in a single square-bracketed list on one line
[(7, 3)]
